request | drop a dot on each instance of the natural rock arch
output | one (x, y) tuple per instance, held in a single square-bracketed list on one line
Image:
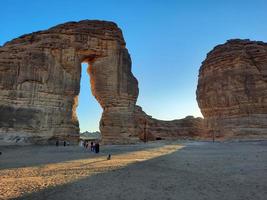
[(40, 81)]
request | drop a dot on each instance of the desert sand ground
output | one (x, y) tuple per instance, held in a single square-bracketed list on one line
[(159, 170)]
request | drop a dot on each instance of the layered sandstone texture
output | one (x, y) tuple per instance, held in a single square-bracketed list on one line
[(40, 82), (232, 89), (150, 128)]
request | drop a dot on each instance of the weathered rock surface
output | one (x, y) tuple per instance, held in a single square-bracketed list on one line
[(232, 89), (40, 82), (153, 129), (40, 79)]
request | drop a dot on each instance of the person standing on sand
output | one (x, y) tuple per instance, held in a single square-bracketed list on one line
[(92, 146), (97, 147)]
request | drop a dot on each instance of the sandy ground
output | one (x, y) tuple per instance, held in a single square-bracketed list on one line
[(161, 170)]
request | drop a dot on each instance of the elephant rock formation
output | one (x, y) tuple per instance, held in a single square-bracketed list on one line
[(40, 83)]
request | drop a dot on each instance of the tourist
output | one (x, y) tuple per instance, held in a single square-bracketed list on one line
[(57, 143), (92, 146), (97, 147), (64, 143), (109, 157)]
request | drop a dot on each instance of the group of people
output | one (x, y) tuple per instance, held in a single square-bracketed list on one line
[(95, 147), (64, 143)]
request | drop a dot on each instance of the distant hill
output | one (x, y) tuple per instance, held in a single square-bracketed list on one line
[(90, 135)]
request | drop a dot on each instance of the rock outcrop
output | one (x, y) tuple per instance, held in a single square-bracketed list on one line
[(232, 89), (153, 129), (40, 83)]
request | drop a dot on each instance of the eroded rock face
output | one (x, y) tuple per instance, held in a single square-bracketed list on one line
[(153, 129), (40, 82), (232, 89), (40, 79)]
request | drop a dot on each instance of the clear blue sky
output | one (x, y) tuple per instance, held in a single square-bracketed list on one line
[(167, 41)]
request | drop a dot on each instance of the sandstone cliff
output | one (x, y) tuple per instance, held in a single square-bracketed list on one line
[(40, 82), (232, 89), (40, 79), (153, 129)]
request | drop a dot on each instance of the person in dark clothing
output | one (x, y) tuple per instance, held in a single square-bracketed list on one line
[(64, 143), (92, 146), (97, 147), (57, 143)]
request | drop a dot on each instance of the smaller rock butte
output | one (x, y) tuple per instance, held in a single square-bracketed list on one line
[(232, 89), (40, 82)]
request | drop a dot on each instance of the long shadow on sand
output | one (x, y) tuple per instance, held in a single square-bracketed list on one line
[(141, 180), (194, 172), (29, 156)]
